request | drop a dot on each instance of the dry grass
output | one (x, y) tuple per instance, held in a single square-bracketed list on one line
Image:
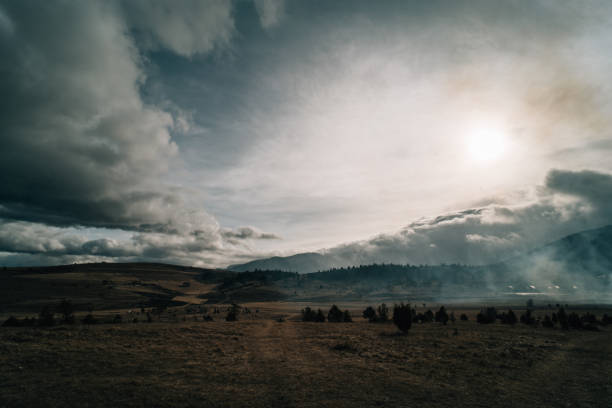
[(264, 363)]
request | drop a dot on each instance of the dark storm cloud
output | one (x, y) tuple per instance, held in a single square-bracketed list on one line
[(78, 145), (247, 233), (594, 187)]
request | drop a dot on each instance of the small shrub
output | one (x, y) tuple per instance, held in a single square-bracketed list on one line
[(527, 318), (441, 316), (428, 316), (508, 318), (46, 317), (402, 317), (487, 316), (12, 322), (66, 309), (383, 313), (309, 315), (89, 319), (563, 320), (232, 313), (344, 346), (463, 317), (547, 322), (574, 321), (347, 316)]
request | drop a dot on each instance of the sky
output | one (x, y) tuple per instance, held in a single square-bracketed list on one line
[(210, 133)]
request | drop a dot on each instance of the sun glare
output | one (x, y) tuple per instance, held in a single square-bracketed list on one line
[(486, 145)]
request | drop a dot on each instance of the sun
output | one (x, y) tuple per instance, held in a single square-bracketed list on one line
[(486, 145)]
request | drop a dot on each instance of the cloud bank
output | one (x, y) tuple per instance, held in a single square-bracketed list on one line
[(568, 202), (80, 146)]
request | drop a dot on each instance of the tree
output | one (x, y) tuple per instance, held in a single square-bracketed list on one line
[(347, 316), (370, 314), (402, 317), (11, 322), (463, 317), (508, 318), (547, 322), (320, 317), (335, 315), (487, 316), (563, 320), (527, 318), (383, 313), (442, 316), (232, 313), (89, 319), (66, 309), (308, 315), (46, 317)]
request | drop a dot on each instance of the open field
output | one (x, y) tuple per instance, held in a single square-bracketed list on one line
[(260, 362), (165, 354)]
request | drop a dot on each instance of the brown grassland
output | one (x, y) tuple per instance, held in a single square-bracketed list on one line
[(259, 361)]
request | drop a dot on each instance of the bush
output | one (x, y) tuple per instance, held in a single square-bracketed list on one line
[(12, 322), (527, 318), (508, 318), (383, 313), (547, 322), (46, 317), (442, 316), (89, 319), (487, 316), (463, 317), (117, 318), (402, 317), (309, 315), (232, 313), (66, 309), (347, 317), (574, 321), (563, 320), (335, 315)]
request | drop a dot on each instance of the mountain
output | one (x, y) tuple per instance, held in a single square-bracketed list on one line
[(579, 263), (302, 263)]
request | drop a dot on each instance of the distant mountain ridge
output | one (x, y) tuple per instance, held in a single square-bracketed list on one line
[(302, 263), (589, 252)]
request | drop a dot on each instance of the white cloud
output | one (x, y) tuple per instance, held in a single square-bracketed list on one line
[(186, 27)]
